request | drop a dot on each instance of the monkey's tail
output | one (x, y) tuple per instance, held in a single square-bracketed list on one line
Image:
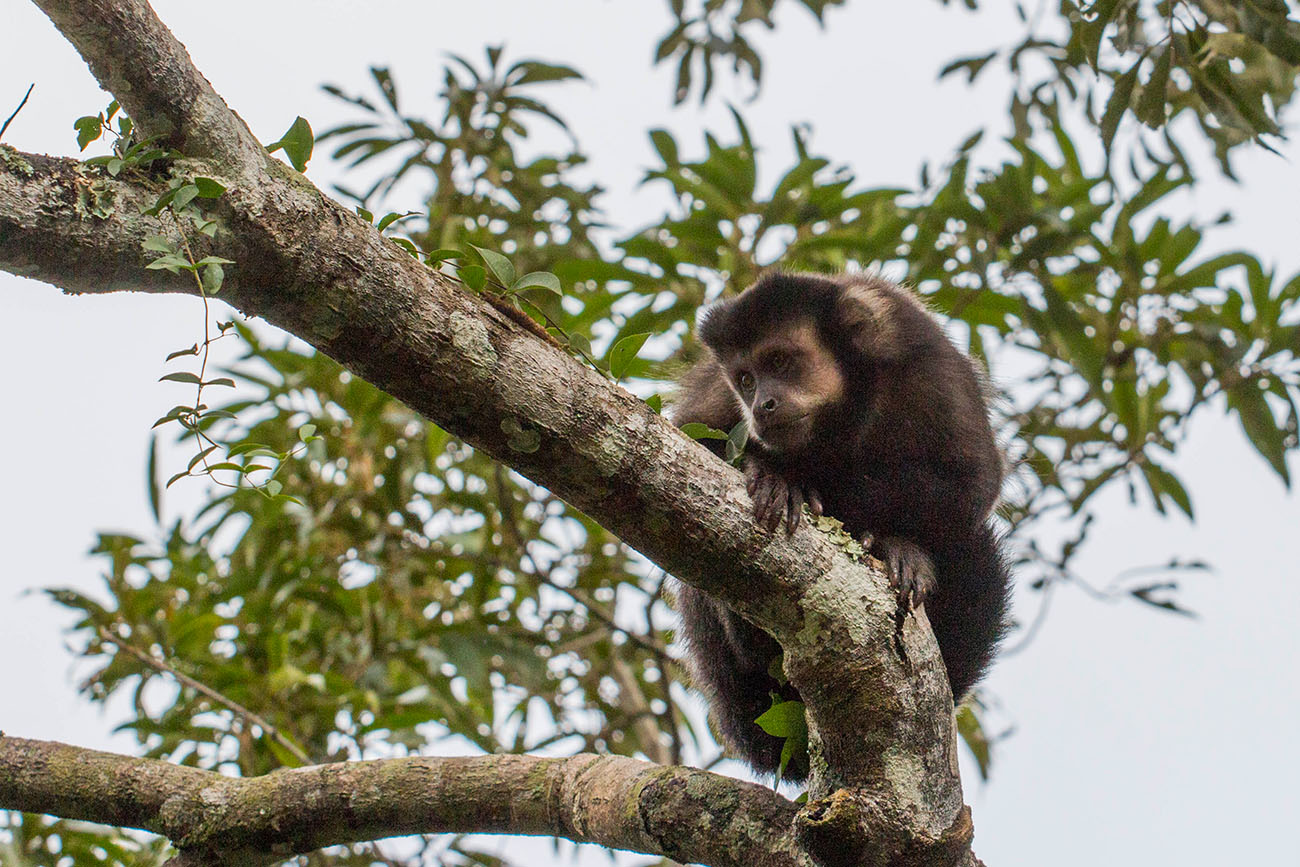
[(969, 605)]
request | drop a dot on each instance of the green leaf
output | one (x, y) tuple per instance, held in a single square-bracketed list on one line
[(306, 431), (158, 244), (655, 402), (580, 344), (163, 201), (624, 353), (151, 476), (184, 196), (170, 262), (297, 143), (700, 431), (666, 146), (274, 487), (499, 266), (541, 279), (247, 447), (405, 244), (786, 719), (1151, 104), (783, 719), (971, 731), (737, 438), (181, 376), (1260, 426), (88, 129), (198, 458), (535, 72), (193, 350), (1165, 484), (472, 276), (443, 255), (208, 188), (176, 413), (394, 217), (213, 276), (1117, 105)]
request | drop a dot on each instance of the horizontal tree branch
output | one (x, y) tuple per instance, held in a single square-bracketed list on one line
[(622, 803)]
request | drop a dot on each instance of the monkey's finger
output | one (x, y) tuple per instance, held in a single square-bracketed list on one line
[(762, 498), (775, 506), (793, 510), (814, 503)]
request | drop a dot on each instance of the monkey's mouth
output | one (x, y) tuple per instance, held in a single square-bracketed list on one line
[(785, 433)]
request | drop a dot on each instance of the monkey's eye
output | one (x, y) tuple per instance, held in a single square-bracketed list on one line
[(746, 380)]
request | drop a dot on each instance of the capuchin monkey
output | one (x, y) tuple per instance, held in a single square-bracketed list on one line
[(859, 407)]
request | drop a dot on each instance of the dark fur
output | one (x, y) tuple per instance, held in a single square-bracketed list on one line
[(906, 457)]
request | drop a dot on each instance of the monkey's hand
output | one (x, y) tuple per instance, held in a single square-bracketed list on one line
[(911, 571), (776, 498)]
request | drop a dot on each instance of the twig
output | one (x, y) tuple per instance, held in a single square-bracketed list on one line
[(204, 689), (11, 117)]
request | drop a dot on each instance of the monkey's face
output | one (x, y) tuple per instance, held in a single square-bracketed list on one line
[(787, 381)]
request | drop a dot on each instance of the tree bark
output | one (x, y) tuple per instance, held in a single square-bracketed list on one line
[(885, 786), (618, 802)]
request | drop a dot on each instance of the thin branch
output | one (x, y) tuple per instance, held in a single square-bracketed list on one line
[(11, 117), (203, 689)]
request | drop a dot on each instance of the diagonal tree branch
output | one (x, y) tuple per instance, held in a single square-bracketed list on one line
[(617, 802), (880, 720)]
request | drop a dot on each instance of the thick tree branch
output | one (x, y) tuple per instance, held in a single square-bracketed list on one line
[(879, 710), (622, 803)]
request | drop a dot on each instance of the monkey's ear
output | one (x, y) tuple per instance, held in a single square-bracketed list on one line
[(714, 326), (872, 317)]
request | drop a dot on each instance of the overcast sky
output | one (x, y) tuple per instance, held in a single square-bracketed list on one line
[(1138, 738)]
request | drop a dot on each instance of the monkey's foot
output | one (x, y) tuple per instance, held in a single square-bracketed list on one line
[(911, 571), (777, 499)]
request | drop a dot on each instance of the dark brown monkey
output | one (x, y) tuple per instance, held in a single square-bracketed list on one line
[(860, 407)]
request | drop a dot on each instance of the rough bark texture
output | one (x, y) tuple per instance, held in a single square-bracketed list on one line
[(885, 786), (618, 802)]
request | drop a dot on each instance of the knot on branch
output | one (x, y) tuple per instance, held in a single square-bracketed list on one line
[(845, 829)]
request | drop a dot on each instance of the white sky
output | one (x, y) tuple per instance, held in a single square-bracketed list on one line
[(1139, 738)]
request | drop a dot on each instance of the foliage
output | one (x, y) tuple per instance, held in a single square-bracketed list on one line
[(405, 592)]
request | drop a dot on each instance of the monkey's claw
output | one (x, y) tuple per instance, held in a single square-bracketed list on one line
[(776, 499)]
